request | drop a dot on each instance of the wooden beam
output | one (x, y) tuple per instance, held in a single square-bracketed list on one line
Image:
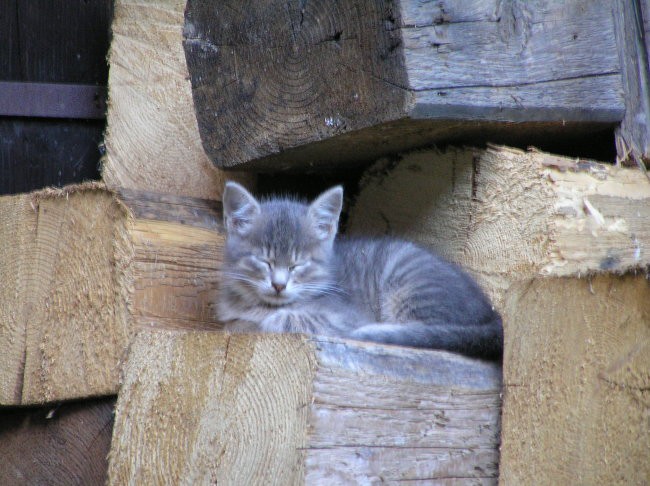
[(288, 409), (83, 270), (63, 319), (576, 381), (65, 443), (177, 244), (152, 139), (508, 215), (633, 136), (563, 247), (280, 86)]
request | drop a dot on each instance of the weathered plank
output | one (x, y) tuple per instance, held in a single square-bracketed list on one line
[(633, 136), (65, 443), (201, 407), (270, 79), (152, 139), (506, 215), (83, 271)]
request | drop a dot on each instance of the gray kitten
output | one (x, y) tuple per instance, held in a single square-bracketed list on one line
[(284, 271)]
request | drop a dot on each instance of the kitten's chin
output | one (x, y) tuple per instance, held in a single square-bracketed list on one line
[(276, 300)]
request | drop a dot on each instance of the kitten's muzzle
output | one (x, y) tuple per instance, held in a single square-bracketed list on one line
[(279, 279), (279, 286)]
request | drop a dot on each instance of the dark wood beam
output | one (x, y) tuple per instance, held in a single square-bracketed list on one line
[(633, 135), (280, 85)]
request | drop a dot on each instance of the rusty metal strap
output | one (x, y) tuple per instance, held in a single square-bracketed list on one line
[(51, 100)]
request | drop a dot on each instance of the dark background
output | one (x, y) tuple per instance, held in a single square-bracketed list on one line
[(51, 41)]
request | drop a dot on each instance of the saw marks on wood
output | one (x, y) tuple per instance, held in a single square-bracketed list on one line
[(152, 139), (271, 76), (505, 214), (206, 407), (577, 381), (60, 294)]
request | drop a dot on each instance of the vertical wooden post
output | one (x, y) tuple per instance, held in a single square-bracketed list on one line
[(633, 135)]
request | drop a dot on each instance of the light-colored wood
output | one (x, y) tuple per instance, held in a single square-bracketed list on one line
[(177, 244), (18, 217), (152, 139), (270, 80), (66, 325), (577, 381), (563, 247), (206, 407), (84, 270), (507, 215)]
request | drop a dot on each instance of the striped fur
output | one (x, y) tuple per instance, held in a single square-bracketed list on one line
[(284, 271)]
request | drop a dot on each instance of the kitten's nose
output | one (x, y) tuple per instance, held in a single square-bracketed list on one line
[(279, 287)]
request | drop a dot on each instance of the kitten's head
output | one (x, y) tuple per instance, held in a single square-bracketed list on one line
[(278, 250)]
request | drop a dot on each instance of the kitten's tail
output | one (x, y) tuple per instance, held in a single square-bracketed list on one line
[(483, 340)]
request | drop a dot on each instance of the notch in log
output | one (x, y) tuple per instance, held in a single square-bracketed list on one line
[(277, 85)]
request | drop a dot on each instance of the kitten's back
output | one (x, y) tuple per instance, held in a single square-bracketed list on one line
[(400, 282)]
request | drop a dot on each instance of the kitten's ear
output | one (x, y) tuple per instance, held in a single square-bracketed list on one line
[(325, 211), (239, 209)]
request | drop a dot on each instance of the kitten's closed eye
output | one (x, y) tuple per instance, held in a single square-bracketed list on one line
[(262, 262), (298, 266)]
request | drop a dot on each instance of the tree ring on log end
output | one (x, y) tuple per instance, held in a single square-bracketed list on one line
[(268, 76)]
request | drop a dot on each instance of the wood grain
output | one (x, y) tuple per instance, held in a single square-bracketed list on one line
[(152, 139), (83, 271), (633, 136), (177, 244), (18, 219), (271, 79), (288, 409), (61, 291), (65, 443), (506, 215), (561, 245), (576, 374)]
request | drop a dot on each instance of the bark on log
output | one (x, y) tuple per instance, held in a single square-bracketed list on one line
[(548, 237), (152, 139), (282, 85), (64, 443), (82, 270), (205, 408)]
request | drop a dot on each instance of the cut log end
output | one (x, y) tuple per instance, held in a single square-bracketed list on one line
[(275, 78), (283, 409), (270, 77)]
